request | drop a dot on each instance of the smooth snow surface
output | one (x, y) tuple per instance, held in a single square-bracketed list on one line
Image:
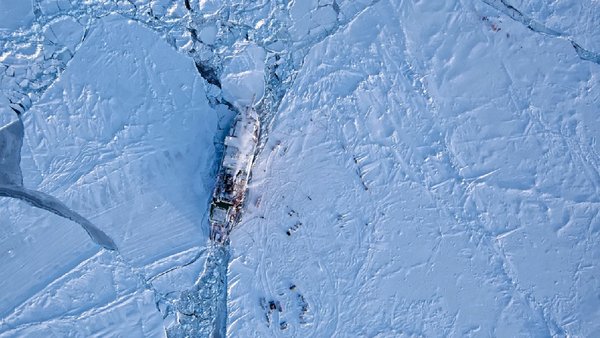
[(15, 14), (425, 168)]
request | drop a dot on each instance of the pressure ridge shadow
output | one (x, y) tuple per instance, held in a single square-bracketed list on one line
[(11, 184)]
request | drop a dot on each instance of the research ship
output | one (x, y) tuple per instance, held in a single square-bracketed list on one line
[(234, 173)]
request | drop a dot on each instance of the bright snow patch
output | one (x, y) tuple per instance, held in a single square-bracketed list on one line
[(243, 76)]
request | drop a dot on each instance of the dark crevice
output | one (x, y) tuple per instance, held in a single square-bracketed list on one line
[(336, 7), (535, 26), (194, 34), (208, 73), (11, 184), (228, 104), (518, 16), (11, 141), (49, 203), (17, 108), (585, 54)]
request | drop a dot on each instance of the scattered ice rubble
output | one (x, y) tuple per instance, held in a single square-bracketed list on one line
[(432, 169)]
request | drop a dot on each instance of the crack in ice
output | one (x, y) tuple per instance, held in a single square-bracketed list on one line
[(11, 185), (535, 26)]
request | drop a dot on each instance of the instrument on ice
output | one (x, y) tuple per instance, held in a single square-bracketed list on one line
[(232, 180)]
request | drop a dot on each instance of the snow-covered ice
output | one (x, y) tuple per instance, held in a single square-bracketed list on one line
[(433, 171), (243, 78), (15, 14), (125, 138), (426, 168)]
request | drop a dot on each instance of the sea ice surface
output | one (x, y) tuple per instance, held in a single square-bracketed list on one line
[(426, 168), (124, 137)]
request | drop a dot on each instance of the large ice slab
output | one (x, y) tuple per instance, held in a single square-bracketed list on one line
[(133, 147), (15, 14), (11, 140), (243, 79), (125, 138), (430, 173)]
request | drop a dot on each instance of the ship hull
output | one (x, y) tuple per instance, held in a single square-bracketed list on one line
[(234, 173)]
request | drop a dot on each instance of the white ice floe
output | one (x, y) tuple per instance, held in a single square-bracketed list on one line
[(124, 138), (243, 78)]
